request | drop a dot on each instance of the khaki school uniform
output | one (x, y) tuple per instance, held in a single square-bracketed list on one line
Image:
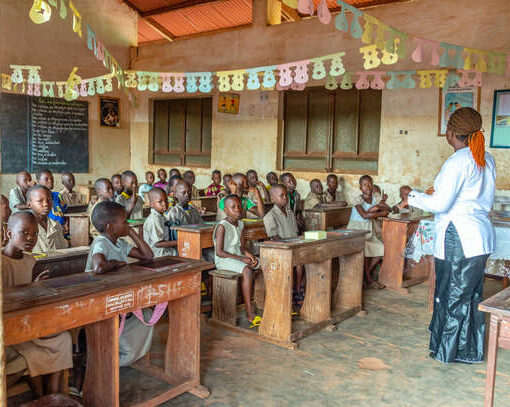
[(279, 224), (313, 199), (50, 239), (154, 231), (16, 197), (43, 355), (178, 215), (339, 196), (70, 198), (137, 212)]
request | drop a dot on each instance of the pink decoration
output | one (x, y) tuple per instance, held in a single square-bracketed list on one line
[(323, 12), (362, 82), (306, 7)]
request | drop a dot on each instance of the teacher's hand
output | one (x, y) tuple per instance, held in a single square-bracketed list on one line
[(430, 191)]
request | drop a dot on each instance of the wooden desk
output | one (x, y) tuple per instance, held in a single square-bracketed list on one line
[(191, 239), (76, 209), (210, 203), (95, 301), (79, 228), (498, 306), (395, 233), (62, 262), (327, 217), (86, 191), (320, 308)]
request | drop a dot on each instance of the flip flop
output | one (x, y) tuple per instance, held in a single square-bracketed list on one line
[(256, 321)]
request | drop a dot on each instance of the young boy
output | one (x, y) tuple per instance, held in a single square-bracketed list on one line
[(272, 179), (174, 171), (116, 181), (403, 207), (51, 236), (189, 177), (238, 185), (155, 232), (45, 178), (294, 198), (182, 213), (145, 188), (67, 195), (253, 182), (367, 209), (5, 213), (18, 195), (227, 179), (45, 357), (316, 198), (332, 193), (128, 199), (215, 188), (104, 192), (174, 180), (230, 252), (280, 223), (162, 183)]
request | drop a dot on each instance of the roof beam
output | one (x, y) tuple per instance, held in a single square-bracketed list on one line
[(152, 23), (290, 14), (178, 6)]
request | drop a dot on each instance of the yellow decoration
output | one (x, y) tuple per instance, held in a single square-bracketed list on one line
[(274, 12), (370, 55), (40, 12), (291, 3), (6, 81), (76, 19)]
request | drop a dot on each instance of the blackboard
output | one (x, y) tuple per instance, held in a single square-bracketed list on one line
[(43, 133)]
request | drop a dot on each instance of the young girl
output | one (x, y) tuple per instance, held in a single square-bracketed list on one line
[(367, 209), (162, 183), (230, 252)]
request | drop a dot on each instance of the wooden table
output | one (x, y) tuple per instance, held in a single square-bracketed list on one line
[(76, 208), (327, 217), (191, 239), (395, 233), (498, 306), (95, 301), (79, 228), (62, 262), (210, 203)]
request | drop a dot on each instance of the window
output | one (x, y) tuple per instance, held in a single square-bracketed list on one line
[(332, 130), (182, 132)]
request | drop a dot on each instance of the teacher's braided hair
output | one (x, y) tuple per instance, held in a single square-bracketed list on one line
[(466, 123)]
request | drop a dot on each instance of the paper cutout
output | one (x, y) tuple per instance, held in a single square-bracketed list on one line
[(469, 78), (323, 12), (291, 3), (60, 88), (47, 89), (100, 90), (298, 86), (306, 7), (319, 70), (33, 74), (63, 10), (426, 77), (146, 80), (179, 83), (376, 83), (331, 83), (166, 85), (480, 65), (417, 53), (130, 80), (224, 84), (390, 58), (191, 82), (205, 85), (83, 88), (397, 40), (342, 24), (274, 12), (496, 63), (76, 19), (6, 81), (395, 83), (337, 65), (300, 73), (451, 80), (40, 12), (72, 83), (362, 82), (269, 79), (91, 36), (370, 55), (17, 73), (108, 87), (253, 81), (92, 88), (447, 60), (346, 81)]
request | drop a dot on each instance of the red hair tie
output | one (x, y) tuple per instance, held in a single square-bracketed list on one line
[(476, 144)]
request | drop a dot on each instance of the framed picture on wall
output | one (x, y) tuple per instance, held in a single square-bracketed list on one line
[(500, 131), (228, 103), (453, 99), (109, 112)]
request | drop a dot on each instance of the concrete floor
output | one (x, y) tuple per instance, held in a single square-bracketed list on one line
[(325, 370)]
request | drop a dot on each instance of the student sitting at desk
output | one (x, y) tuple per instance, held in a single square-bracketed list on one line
[(238, 185), (155, 232), (162, 182), (403, 206), (45, 178), (5, 213), (316, 198), (227, 179), (104, 192), (128, 199), (253, 182), (45, 357), (230, 252), (116, 181), (174, 180), (145, 188), (189, 177), (272, 179), (215, 188), (51, 235), (332, 192), (280, 223), (67, 195), (18, 195), (367, 209), (294, 198)]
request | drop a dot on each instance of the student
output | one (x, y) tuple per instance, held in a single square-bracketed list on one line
[(403, 206), (18, 195), (45, 178), (51, 236), (104, 192), (280, 223), (253, 182), (316, 197), (116, 181), (128, 198), (272, 179), (162, 183), (182, 213), (145, 188), (155, 232), (367, 209), (174, 180), (230, 252), (238, 185), (294, 198), (379, 195), (67, 195), (189, 177), (215, 188), (227, 179), (5, 213), (174, 171), (332, 193), (48, 356)]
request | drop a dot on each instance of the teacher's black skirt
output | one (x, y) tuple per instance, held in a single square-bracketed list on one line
[(457, 327)]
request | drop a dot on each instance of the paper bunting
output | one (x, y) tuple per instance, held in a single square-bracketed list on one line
[(406, 82), (72, 83), (470, 78), (336, 68), (420, 44), (475, 54), (426, 76), (370, 56), (286, 74), (225, 83), (306, 7), (323, 13), (40, 12), (346, 82), (376, 83), (47, 89), (449, 60), (451, 80), (178, 82), (291, 3), (76, 19), (331, 83), (496, 63), (6, 81), (147, 80), (341, 22)]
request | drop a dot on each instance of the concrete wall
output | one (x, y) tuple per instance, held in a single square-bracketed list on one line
[(57, 49), (249, 140)]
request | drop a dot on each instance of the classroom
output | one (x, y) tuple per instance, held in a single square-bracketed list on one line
[(255, 202)]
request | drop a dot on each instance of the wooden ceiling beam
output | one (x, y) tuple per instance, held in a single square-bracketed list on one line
[(152, 23), (178, 6), (290, 14)]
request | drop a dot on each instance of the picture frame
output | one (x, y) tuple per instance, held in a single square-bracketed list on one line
[(228, 103), (109, 112), (452, 99), (500, 129)]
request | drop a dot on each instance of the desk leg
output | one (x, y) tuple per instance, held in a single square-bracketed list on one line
[(317, 304), (188, 245), (101, 387), (491, 361), (392, 268), (277, 319), (349, 290), (79, 228)]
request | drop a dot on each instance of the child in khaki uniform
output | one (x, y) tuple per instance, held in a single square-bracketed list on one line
[(48, 355), (189, 177), (18, 195), (104, 192), (155, 232), (128, 198), (68, 196), (253, 182)]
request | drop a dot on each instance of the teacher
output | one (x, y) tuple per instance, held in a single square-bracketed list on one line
[(461, 200)]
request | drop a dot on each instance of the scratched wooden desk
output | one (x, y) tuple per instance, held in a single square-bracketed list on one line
[(327, 217), (395, 233), (95, 301), (210, 203), (62, 262), (191, 239), (321, 307)]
